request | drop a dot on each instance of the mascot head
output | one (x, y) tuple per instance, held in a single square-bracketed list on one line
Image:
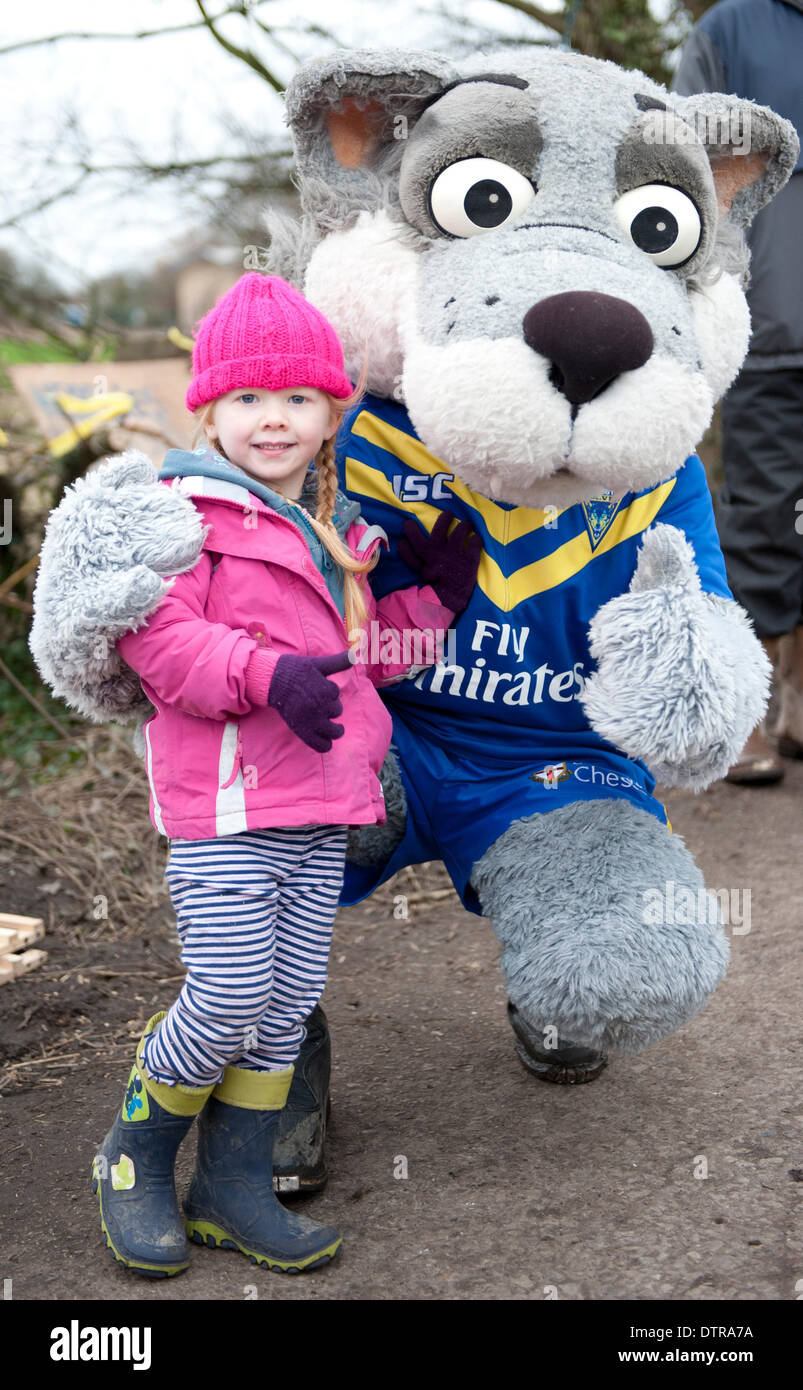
[(541, 254)]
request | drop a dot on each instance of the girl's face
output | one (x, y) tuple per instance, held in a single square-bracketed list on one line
[(272, 435)]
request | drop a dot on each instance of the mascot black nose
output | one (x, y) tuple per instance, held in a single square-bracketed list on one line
[(589, 338)]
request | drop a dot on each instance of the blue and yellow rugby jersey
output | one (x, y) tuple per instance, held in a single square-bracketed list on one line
[(496, 732), (520, 651)]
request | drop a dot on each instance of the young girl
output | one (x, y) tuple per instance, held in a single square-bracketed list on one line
[(246, 662)]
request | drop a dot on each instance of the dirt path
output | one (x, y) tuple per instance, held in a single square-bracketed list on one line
[(513, 1187)]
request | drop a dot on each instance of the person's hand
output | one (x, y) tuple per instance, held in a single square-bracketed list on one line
[(306, 700), (448, 562)]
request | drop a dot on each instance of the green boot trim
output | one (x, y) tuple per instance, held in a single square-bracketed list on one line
[(178, 1099), (207, 1233), (254, 1090)]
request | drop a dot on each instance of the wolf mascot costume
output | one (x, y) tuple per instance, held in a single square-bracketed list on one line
[(542, 258)]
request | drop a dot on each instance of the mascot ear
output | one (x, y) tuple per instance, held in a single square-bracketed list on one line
[(752, 151), (346, 108)]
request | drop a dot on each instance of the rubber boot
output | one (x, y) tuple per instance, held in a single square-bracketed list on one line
[(132, 1172), (789, 728), (299, 1153), (758, 764), (231, 1201), (567, 1064)]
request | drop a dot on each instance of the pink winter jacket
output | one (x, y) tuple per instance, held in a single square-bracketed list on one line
[(219, 759)]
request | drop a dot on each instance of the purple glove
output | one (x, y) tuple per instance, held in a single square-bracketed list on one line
[(441, 560), (306, 700)]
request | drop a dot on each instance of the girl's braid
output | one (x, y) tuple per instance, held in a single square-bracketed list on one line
[(327, 482)]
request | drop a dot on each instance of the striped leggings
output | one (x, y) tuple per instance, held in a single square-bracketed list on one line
[(255, 916)]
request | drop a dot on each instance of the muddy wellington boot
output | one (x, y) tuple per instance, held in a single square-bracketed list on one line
[(132, 1172), (299, 1152), (789, 728), (231, 1202), (759, 764), (567, 1064)]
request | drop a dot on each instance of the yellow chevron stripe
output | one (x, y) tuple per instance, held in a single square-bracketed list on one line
[(507, 592), (635, 518), (502, 525), (372, 482), (570, 558)]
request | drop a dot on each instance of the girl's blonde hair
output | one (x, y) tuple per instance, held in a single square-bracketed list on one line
[(322, 524)]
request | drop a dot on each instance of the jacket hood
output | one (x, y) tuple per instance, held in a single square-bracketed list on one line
[(206, 461)]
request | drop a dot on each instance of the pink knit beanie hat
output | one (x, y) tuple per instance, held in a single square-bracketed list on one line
[(264, 333)]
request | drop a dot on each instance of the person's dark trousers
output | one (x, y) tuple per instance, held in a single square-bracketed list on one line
[(762, 451)]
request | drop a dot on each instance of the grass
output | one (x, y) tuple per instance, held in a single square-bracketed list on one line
[(12, 351)]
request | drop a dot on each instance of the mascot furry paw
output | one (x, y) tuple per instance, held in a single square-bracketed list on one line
[(541, 257)]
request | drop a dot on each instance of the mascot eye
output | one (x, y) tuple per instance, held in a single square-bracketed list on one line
[(477, 195), (661, 221)]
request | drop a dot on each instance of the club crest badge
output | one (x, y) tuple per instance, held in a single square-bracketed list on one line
[(599, 512), (552, 774)]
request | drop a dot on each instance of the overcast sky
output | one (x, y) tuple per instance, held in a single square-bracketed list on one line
[(138, 90)]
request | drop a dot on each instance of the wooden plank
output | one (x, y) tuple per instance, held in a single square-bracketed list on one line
[(157, 387), (11, 966), (10, 919), (30, 929)]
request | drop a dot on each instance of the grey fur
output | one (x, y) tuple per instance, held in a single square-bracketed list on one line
[(91, 589), (402, 82), (568, 893), (642, 158), (447, 131), (473, 291), (333, 197), (767, 133), (730, 255), (373, 844), (681, 677), (292, 242)]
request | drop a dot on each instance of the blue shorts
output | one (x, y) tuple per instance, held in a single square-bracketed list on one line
[(458, 806)]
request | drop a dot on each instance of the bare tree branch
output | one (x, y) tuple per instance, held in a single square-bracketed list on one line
[(473, 35), (141, 34), (163, 171), (154, 172), (552, 21), (46, 202), (244, 54), (315, 29)]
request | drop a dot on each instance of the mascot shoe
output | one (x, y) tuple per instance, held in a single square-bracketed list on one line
[(566, 1063), (299, 1153), (132, 1172), (231, 1201)]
